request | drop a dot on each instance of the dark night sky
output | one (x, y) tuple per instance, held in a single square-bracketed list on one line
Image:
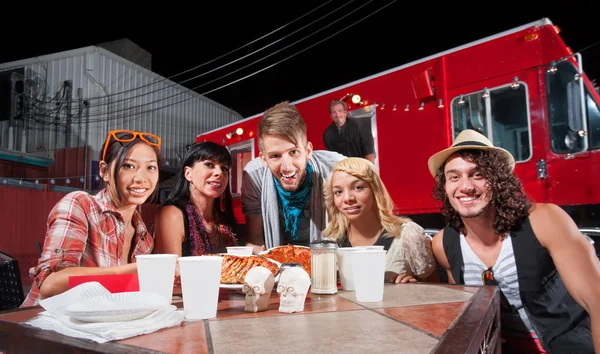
[(180, 37)]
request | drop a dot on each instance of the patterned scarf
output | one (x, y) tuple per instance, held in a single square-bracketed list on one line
[(198, 242), (293, 203)]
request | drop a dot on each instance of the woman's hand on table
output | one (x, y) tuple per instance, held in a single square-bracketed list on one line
[(404, 278), (395, 278), (256, 249), (177, 280)]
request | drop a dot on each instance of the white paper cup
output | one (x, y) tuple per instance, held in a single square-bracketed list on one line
[(200, 279), (368, 268), (239, 250), (156, 273), (345, 264), (345, 267)]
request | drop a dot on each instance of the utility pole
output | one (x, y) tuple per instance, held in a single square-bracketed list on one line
[(79, 113), (56, 121), (69, 98), (16, 89), (80, 120), (86, 103), (29, 94)]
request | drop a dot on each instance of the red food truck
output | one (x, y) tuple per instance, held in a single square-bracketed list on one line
[(523, 88)]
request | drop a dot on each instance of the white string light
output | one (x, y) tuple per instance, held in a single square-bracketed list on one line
[(81, 178), (38, 180)]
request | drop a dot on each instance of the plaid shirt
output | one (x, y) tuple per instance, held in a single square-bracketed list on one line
[(87, 231)]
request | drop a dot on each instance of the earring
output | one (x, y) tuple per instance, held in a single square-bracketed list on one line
[(192, 187)]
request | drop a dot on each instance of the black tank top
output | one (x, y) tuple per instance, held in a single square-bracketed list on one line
[(386, 242)]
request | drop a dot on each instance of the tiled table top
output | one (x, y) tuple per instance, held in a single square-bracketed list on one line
[(412, 318)]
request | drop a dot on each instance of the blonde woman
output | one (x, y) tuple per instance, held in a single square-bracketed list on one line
[(360, 212)]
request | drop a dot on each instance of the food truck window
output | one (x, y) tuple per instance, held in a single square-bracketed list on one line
[(564, 109), (367, 121), (241, 154), (500, 113)]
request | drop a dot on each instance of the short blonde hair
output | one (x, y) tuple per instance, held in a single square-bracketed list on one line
[(366, 171), (285, 121)]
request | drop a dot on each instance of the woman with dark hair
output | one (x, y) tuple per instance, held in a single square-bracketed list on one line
[(102, 233), (197, 217)]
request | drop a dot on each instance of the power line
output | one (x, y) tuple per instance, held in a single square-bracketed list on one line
[(217, 58), (254, 62), (227, 64), (43, 102), (123, 116), (55, 120), (303, 50), (589, 46)]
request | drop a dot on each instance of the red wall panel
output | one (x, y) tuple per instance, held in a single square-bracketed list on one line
[(23, 216)]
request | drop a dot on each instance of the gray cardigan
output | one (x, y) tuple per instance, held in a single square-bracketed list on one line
[(259, 196)]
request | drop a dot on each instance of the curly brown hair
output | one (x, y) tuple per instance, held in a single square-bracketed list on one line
[(508, 197)]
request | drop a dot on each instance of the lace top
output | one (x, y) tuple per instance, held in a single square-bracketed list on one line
[(197, 242), (411, 253)]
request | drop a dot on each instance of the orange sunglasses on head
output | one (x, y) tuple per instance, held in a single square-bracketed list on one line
[(148, 138)]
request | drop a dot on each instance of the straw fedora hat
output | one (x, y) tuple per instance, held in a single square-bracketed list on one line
[(467, 139)]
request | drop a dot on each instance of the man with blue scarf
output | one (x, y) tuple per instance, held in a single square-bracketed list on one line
[(282, 189)]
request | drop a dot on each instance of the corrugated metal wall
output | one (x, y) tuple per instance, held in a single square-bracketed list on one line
[(121, 95)]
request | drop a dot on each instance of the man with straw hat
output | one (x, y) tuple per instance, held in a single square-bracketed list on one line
[(548, 273)]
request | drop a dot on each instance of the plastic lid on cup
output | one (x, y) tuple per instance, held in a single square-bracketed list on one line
[(324, 244)]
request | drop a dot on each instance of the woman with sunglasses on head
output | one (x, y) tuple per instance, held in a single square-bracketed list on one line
[(102, 233), (361, 214), (197, 217)]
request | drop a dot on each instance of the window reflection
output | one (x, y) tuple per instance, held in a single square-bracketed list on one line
[(564, 112), (502, 115)]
